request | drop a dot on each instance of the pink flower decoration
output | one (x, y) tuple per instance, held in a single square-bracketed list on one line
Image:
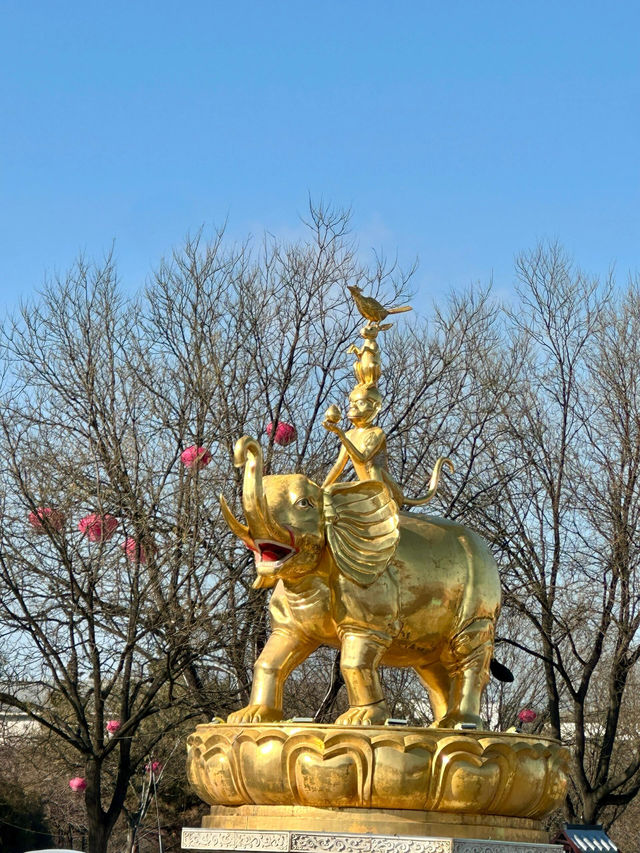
[(195, 457), (527, 715), (153, 767), (113, 726), (78, 784), (98, 528), (285, 433), (135, 551), (54, 518)]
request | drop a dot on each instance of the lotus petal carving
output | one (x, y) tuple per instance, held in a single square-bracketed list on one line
[(481, 773)]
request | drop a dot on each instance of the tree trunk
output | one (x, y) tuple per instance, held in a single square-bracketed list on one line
[(553, 699), (589, 808), (130, 840), (98, 837)]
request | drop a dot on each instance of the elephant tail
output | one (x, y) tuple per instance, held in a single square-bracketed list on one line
[(433, 482), (500, 671)]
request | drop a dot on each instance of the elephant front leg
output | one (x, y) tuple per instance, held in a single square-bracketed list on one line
[(283, 652), (359, 659), (468, 663)]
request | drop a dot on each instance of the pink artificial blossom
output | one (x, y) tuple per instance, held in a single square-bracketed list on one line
[(153, 767), (195, 457), (78, 784), (98, 528), (53, 517), (527, 715), (113, 726), (135, 551), (285, 433)]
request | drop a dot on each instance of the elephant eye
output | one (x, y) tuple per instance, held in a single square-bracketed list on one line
[(304, 503)]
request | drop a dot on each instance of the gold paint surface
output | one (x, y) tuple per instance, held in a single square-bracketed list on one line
[(353, 572), (399, 769), (375, 822), (350, 570)]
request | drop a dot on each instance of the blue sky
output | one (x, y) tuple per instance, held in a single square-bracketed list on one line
[(459, 132)]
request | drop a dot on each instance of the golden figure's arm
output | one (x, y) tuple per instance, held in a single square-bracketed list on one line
[(357, 455), (337, 469)]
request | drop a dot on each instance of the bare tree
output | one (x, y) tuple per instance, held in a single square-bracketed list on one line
[(563, 513), (99, 632), (100, 396)]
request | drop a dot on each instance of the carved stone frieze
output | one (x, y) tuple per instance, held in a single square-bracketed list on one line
[(220, 839), (227, 841), (503, 847), (410, 845)]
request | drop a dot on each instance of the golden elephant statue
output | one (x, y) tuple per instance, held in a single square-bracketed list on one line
[(391, 588)]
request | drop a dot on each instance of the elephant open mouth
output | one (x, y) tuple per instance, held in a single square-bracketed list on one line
[(271, 555)]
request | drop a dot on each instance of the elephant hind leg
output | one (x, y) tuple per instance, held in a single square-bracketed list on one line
[(467, 661), (437, 683)]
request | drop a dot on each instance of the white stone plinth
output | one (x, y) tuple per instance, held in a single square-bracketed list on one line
[(242, 841)]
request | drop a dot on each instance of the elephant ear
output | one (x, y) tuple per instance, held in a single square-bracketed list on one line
[(361, 522)]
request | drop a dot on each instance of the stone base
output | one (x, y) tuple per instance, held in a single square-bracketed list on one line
[(371, 789), (384, 822), (235, 841)]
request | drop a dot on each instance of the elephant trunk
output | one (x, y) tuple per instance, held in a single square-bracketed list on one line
[(262, 525)]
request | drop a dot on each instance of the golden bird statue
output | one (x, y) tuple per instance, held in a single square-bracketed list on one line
[(371, 309)]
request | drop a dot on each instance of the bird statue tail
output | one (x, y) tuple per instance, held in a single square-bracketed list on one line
[(399, 310), (433, 482)]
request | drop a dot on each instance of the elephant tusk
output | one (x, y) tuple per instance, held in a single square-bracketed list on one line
[(238, 529)]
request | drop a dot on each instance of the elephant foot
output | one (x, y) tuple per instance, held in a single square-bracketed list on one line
[(458, 721), (255, 714), (364, 715)]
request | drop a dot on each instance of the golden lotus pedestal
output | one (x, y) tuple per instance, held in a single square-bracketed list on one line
[(271, 785)]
